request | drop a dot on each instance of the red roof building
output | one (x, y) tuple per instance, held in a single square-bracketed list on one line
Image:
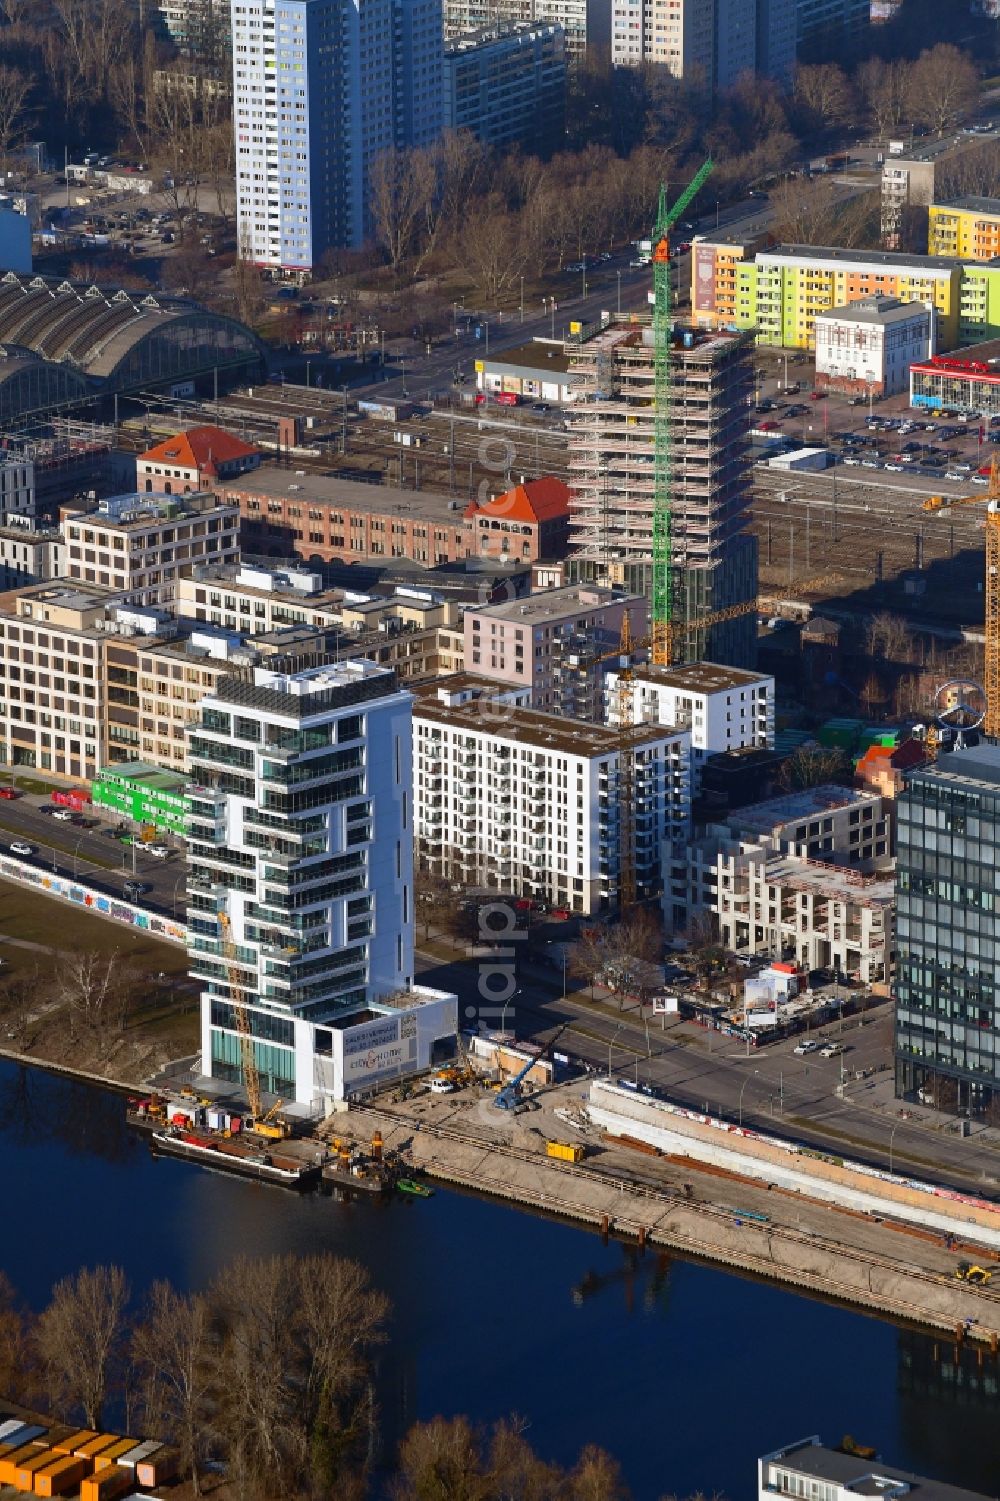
[(197, 459), (529, 522)]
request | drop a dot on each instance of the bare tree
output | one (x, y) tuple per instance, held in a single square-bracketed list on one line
[(823, 95), (943, 84), (883, 87), (78, 1338), (16, 1355), (400, 185), (96, 989), (171, 1354), (597, 1477), (812, 765), (888, 638), (622, 955), (15, 90)]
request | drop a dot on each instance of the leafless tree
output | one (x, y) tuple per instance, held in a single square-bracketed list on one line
[(597, 1477), (883, 88), (621, 954), (172, 1358), (20, 995), (811, 766), (400, 185), (16, 1354), (942, 85), (492, 250), (823, 92), (78, 1338), (15, 90), (888, 638), (95, 988)]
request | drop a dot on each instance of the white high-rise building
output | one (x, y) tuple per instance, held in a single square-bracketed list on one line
[(320, 89), (300, 841), (708, 41)]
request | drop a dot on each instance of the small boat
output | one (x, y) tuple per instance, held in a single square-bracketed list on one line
[(411, 1186)]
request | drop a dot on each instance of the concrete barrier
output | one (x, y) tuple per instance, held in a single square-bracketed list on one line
[(78, 894)]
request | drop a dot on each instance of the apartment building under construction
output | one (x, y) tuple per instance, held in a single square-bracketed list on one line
[(612, 475)]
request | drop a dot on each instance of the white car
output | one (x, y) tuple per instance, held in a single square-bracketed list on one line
[(832, 1050), (442, 1086), (158, 851), (808, 1046), (62, 814), (19, 847)]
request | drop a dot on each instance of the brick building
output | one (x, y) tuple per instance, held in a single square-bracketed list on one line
[(526, 523)]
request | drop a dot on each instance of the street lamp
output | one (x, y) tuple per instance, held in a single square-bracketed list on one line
[(503, 1013), (619, 276), (522, 299), (583, 265), (177, 883), (891, 1135), (611, 1044), (76, 852), (746, 1081)]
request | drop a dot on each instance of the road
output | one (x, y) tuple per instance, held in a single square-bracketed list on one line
[(771, 1088), (92, 855)]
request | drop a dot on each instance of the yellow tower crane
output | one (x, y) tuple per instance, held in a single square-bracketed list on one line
[(991, 671), (263, 1124)]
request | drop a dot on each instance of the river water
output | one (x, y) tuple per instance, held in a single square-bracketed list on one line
[(686, 1373)]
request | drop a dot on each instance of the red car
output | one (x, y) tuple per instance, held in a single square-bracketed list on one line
[(768, 427), (9, 793), (816, 395)]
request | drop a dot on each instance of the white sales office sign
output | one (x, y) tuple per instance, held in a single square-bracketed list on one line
[(379, 1047)]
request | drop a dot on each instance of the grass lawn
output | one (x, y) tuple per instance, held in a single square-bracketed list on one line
[(35, 918)]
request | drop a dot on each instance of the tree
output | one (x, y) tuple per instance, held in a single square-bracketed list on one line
[(883, 88), (96, 989), (401, 183), (16, 1361), (889, 639), (78, 1339), (15, 88), (812, 766), (172, 1357), (621, 954), (943, 84), (823, 96), (597, 1477)]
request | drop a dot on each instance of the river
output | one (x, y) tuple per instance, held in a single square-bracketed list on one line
[(686, 1373)]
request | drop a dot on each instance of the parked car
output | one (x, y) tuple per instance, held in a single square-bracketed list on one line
[(62, 815), (807, 1045), (9, 793), (20, 847), (831, 1050), (158, 851)]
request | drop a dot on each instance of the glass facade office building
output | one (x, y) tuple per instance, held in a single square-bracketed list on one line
[(948, 932)]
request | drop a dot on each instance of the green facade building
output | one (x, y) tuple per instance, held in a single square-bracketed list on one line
[(146, 794)]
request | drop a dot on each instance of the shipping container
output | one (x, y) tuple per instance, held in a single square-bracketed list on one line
[(71, 797), (10, 1462), (566, 1151), (107, 1486), (156, 1470), (112, 1455), (11, 1425), (73, 1440), (61, 1475), (24, 1472), (23, 1434), (95, 1446), (144, 1450)]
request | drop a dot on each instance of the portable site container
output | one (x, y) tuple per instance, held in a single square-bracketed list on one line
[(145, 1450), (10, 1462), (73, 1440), (156, 1470), (111, 1456), (107, 1486), (63, 1474), (9, 1426), (95, 1446), (24, 1473), (564, 1150), (23, 1434)]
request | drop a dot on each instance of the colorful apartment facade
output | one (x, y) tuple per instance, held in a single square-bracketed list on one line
[(966, 227), (780, 292)]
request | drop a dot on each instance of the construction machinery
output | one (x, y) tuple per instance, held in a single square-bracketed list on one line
[(969, 1272), (264, 1124), (663, 594), (991, 498), (511, 1095)]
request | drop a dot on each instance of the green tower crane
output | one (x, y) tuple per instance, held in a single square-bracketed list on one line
[(663, 563)]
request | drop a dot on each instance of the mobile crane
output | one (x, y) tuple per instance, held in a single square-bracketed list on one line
[(511, 1095)]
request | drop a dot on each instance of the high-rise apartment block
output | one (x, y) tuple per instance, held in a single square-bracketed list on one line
[(508, 83), (948, 930), (320, 89), (612, 475), (711, 42), (582, 21), (300, 839), (821, 26)]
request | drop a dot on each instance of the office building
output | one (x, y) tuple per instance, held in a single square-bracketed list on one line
[(711, 42), (809, 1468), (969, 379), (722, 708), (558, 644), (611, 474), (320, 89), (538, 371), (300, 837), (965, 227), (141, 544), (529, 803), (867, 348), (947, 930), (508, 84)]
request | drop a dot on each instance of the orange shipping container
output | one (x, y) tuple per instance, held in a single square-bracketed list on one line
[(112, 1455), (157, 1469), (62, 1475), (108, 1485), (10, 1462), (73, 1440), (24, 1474), (95, 1446)]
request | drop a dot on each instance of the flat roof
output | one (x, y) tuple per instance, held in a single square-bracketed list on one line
[(841, 882), (273, 482), (700, 677), (150, 776), (537, 354), (965, 361), (979, 763), (546, 605), (549, 732), (867, 310), (864, 1477), (812, 802), (891, 259), (227, 576), (970, 201)]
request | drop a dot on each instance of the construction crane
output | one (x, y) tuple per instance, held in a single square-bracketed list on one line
[(991, 669), (241, 1017), (663, 551), (510, 1096)]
